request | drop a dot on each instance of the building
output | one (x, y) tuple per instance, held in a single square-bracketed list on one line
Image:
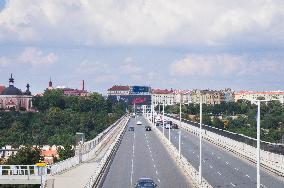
[(210, 97), (160, 96), (69, 91), (254, 95), (182, 96), (118, 90), (7, 151), (12, 97), (138, 95)]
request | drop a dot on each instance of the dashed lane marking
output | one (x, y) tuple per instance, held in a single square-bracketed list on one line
[(233, 184), (219, 173)]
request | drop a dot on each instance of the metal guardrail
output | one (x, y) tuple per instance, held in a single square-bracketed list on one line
[(267, 146)]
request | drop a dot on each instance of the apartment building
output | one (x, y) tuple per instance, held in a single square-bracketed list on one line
[(254, 95)]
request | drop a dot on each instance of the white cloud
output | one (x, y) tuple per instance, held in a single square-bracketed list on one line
[(4, 61), (129, 67), (223, 65), (144, 22), (89, 67), (36, 57)]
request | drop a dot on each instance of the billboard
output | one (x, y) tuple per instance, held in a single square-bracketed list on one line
[(140, 89), (131, 99)]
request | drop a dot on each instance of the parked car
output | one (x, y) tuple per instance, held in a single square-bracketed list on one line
[(145, 183), (139, 123), (131, 128), (148, 128)]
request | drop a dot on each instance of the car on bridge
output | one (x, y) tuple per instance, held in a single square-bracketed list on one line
[(148, 128), (158, 123), (145, 183), (131, 128)]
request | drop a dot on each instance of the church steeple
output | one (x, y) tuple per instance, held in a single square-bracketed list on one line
[(50, 83), (11, 80), (28, 90)]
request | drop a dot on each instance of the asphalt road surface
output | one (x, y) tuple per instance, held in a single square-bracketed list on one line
[(141, 154), (221, 168)]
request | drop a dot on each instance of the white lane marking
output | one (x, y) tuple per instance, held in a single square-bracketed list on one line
[(247, 176), (219, 173), (219, 157), (236, 169), (212, 153), (227, 162), (156, 172), (210, 166), (233, 184), (132, 161), (197, 156), (159, 180)]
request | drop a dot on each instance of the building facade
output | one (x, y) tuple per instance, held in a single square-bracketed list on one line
[(163, 96), (13, 98), (266, 95), (210, 97)]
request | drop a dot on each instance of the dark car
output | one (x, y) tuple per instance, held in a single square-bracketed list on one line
[(131, 128), (148, 128), (174, 126), (145, 183), (159, 123)]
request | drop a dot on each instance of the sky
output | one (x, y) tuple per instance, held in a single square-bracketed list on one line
[(181, 44)]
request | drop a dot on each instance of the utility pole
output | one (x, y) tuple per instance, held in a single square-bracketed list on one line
[(164, 117), (179, 136), (200, 143), (258, 144)]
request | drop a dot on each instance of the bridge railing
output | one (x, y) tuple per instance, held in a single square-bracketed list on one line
[(271, 161), (22, 171), (85, 152)]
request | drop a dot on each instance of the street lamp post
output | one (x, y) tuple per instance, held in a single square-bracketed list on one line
[(258, 144), (200, 143), (164, 117), (179, 136)]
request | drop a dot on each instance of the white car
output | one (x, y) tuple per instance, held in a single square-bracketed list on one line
[(139, 123)]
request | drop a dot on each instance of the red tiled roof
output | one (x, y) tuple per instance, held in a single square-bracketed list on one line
[(119, 88), (182, 92), (2, 88), (49, 153), (262, 92), (162, 91)]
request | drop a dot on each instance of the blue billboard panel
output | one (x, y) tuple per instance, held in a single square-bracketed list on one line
[(140, 89), (131, 99)]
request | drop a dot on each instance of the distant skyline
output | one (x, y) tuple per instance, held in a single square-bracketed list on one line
[(183, 44)]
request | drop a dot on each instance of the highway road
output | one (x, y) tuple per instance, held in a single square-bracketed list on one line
[(221, 168), (141, 154)]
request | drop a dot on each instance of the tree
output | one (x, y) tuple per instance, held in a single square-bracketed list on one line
[(66, 153), (25, 156)]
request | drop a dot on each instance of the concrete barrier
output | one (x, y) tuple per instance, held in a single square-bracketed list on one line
[(271, 161), (100, 172), (182, 162)]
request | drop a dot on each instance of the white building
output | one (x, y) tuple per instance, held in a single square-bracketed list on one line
[(183, 96), (266, 95), (118, 90), (160, 96)]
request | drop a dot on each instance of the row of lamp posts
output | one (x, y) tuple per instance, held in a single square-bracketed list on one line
[(200, 135)]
